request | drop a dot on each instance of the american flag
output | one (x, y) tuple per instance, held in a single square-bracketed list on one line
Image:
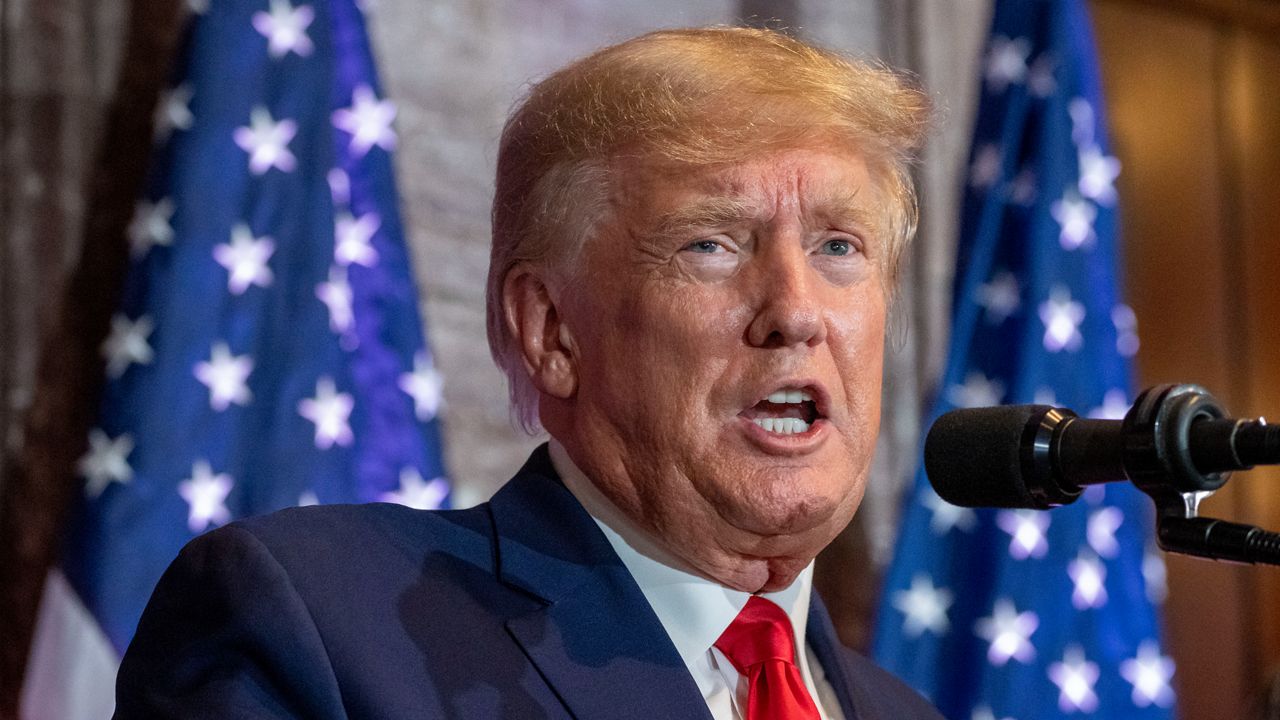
[(268, 351), (1025, 615)]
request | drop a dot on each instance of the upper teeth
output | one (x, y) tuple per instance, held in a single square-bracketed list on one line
[(783, 397)]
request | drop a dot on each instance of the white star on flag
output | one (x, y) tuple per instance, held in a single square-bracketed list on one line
[(267, 141), (1082, 121), (150, 226), (174, 111), (107, 461), (1075, 677), (1101, 531), (1000, 296), (1008, 632), (336, 295), (308, 498), (1045, 396), (226, 376), (1154, 576), (424, 385), (245, 259), (1075, 216), (1098, 175), (1007, 62), (329, 410), (1061, 317), (1040, 79), (1115, 405), (127, 344), (1026, 528), (984, 712), (416, 493), (285, 28), (977, 391), (206, 495), (1126, 322), (352, 237), (986, 167), (339, 186), (924, 607), (1022, 191), (1089, 577), (946, 515), (367, 121), (1149, 673)]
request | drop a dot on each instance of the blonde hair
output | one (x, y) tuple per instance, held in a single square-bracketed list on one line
[(694, 96)]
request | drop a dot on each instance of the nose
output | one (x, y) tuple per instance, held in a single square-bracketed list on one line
[(789, 311)]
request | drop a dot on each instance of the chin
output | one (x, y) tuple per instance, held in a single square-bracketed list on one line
[(782, 573), (786, 506), (765, 575)]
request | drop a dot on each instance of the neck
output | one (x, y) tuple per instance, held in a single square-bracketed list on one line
[(759, 571)]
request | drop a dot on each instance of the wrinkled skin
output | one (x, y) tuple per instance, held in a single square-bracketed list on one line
[(703, 291)]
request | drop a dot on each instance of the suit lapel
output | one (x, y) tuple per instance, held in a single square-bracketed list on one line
[(597, 642), (822, 638)]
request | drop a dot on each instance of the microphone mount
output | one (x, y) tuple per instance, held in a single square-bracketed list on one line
[(1170, 434)]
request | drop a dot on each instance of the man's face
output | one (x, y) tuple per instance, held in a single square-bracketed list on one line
[(728, 325)]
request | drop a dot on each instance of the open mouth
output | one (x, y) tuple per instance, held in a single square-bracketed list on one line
[(789, 411)]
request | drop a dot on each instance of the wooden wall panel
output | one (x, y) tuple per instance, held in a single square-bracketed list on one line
[(1161, 72), (1160, 88), (1252, 111)]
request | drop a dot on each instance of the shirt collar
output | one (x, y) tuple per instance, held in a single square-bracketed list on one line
[(694, 610)]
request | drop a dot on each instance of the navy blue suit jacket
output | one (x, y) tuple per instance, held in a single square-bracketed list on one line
[(517, 608)]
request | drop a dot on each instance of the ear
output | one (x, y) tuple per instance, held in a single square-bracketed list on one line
[(545, 341)]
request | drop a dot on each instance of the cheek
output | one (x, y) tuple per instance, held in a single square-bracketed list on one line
[(858, 338), (691, 328), (654, 354), (858, 328)]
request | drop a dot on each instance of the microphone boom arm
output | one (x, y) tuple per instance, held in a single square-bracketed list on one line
[(1176, 444), (1161, 459)]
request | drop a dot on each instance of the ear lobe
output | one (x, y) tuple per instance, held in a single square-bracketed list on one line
[(545, 341)]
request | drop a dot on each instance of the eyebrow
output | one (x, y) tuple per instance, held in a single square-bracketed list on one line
[(846, 207), (707, 213)]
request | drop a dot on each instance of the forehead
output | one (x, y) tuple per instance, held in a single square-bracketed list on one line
[(805, 180)]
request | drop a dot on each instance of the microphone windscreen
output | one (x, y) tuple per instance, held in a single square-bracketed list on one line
[(973, 456)]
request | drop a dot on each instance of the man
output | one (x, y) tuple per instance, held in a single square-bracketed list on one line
[(696, 237)]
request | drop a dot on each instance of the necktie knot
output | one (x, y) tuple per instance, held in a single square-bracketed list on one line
[(762, 631), (760, 644)]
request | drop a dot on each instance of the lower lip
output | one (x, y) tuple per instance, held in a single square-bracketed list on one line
[(789, 444)]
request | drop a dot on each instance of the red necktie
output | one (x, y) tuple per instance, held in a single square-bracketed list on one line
[(761, 646)]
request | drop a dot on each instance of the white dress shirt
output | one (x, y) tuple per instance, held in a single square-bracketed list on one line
[(695, 611)]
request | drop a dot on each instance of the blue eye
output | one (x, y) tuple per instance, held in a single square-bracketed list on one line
[(704, 246), (837, 246)]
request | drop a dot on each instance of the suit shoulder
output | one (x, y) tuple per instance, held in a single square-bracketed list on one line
[(355, 532), (893, 697), (361, 516)]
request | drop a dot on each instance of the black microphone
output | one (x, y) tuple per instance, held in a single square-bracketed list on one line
[(1037, 456), (1175, 444)]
